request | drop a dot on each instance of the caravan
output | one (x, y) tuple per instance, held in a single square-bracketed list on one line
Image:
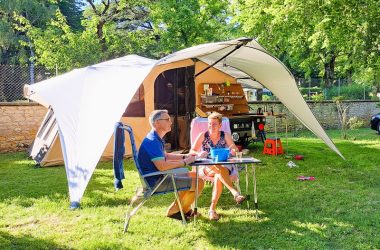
[(179, 88)]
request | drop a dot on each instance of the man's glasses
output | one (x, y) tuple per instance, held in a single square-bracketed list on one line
[(164, 119)]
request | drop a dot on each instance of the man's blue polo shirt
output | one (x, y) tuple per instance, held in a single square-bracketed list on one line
[(151, 149)]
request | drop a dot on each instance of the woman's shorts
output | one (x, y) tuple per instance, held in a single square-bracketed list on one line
[(182, 182)]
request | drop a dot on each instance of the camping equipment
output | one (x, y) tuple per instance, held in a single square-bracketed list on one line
[(298, 157)]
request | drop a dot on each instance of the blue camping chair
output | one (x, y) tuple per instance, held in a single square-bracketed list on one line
[(147, 191)]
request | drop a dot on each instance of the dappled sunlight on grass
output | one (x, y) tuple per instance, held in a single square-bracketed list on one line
[(342, 224), (23, 162), (292, 231), (314, 227), (340, 209)]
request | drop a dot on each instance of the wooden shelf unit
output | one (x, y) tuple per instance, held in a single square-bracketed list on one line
[(227, 100)]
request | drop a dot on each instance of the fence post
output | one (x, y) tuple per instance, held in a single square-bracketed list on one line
[(31, 61), (338, 86)]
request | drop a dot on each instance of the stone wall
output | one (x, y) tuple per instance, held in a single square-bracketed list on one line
[(19, 122), (18, 125), (325, 112)]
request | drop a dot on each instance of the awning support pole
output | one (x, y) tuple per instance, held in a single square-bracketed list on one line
[(244, 42)]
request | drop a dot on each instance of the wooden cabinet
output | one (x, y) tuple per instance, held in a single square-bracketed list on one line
[(225, 99)]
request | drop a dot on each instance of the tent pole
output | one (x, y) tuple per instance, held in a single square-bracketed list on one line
[(244, 42)]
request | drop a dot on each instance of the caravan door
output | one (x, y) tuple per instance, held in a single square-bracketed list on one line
[(174, 90)]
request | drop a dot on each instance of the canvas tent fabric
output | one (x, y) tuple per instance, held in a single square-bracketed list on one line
[(253, 60), (100, 91), (104, 90)]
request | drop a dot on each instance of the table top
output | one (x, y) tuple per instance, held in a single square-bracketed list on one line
[(230, 161)]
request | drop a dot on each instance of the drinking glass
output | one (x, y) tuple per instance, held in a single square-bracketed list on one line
[(215, 158), (239, 155)]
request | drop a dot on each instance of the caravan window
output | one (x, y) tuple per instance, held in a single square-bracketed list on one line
[(136, 107)]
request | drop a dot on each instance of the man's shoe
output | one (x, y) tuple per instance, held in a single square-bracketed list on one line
[(191, 214), (177, 216)]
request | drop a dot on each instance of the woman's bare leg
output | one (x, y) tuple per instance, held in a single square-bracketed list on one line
[(216, 192), (223, 175)]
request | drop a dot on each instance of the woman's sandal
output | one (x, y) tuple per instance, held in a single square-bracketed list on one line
[(239, 199), (213, 215)]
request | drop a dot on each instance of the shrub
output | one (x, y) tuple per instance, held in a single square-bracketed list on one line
[(313, 90), (318, 97), (349, 92), (355, 123)]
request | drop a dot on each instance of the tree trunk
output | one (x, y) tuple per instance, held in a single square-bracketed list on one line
[(31, 61), (375, 90), (99, 32), (329, 66)]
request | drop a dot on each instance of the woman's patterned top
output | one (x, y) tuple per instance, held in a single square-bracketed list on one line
[(207, 142)]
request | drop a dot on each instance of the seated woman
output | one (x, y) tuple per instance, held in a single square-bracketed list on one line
[(216, 139)]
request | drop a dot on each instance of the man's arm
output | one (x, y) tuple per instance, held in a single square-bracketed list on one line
[(168, 164), (172, 156)]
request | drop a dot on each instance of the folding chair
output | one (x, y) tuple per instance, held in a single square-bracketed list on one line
[(200, 124), (148, 191)]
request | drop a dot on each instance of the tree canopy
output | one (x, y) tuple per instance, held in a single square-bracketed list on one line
[(326, 38)]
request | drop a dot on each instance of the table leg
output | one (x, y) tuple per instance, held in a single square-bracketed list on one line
[(255, 191), (196, 195), (275, 135), (246, 184)]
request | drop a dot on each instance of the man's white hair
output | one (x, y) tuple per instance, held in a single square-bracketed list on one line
[(156, 114)]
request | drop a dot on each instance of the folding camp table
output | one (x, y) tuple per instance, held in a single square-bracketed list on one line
[(246, 161)]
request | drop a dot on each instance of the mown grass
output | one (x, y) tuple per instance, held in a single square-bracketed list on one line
[(339, 210)]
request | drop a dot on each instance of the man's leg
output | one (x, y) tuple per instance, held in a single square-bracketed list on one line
[(186, 197)]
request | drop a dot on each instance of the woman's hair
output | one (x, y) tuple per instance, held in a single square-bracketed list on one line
[(216, 115), (155, 115)]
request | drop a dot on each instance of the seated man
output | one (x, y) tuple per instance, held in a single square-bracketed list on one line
[(152, 158)]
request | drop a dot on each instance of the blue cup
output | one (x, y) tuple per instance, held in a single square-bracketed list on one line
[(219, 154)]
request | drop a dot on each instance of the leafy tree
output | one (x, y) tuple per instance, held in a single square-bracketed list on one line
[(181, 24), (120, 24), (328, 37), (72, 10), (108, 31), (59, 46), (37, 12)]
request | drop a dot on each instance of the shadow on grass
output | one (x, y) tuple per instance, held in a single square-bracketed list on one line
[(339, 210), (325, 213), (276, 233), (8, 241), (27, 183), (316, 218)]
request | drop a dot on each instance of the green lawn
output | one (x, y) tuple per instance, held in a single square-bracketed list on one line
[(339, 210)]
